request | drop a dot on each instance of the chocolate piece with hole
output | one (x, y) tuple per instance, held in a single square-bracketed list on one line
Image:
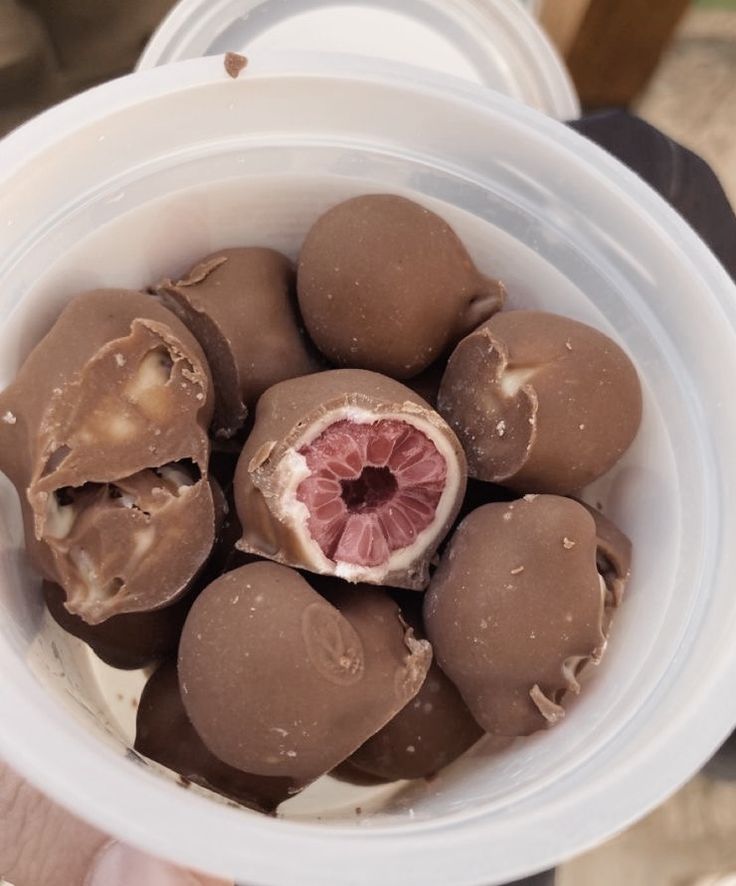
[(385, 284), (431, 731), (349, 473), (540, 402), (241, 306), (277, 681), (516, 609), (129, 641), (104, 437), (165, 734)]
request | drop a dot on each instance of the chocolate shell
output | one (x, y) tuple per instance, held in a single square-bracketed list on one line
[(541, 403), (434, 729), (385, 284), (129, 641), (104, 437), (349, 473), (165, 734), (240, 304), (516, 609), (278, 682), (613, 558)]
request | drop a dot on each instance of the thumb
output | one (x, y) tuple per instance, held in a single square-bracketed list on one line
[(120, 865), (42, 843)]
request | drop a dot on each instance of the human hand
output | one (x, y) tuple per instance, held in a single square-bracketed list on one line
[(43, 845)]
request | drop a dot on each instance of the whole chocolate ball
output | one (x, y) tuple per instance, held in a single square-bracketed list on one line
[(516, 609), (385, 284), (278, 682), (240, 305)]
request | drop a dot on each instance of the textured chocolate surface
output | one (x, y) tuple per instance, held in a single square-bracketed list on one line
[(241, 306), (516, 609), (129, 641), (540, 402), (385, 284), (276, 523), (165, 734), (431, 731), (277, 681), (104, 437)]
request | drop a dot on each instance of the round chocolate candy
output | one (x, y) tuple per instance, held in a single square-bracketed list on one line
[(434, 729), (240, 304), (349, 473), (278, 682), (128, 641), (540, 403), (104, 436), (516, 609), (385, 284), (165, 734)]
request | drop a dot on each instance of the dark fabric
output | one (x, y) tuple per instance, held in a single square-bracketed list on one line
[(683, 178), (546, 878)]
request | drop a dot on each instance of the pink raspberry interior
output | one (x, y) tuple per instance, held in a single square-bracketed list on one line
[(372, 489)]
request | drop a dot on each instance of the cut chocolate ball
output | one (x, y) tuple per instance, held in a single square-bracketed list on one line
[(126, 546), (278, 682), (516, 609), (349, 473), (385, 284), (165, 734), (108, 450), (240, 304), (123, 641), (541, 403), (434, 729)]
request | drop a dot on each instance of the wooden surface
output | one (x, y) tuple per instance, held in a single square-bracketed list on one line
[(613, 47), (561, 19)]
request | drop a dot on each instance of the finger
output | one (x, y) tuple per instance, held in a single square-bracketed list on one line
[(42, 843), (119, 865), (39, 841)]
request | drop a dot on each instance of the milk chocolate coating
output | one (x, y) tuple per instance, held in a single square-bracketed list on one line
[(431, 731), (613, 557), (129, 641), (516, 609), (541, 403), (277, 681), (272, 527), (165, 734), (240, 305), (385, 284), (104, 437)]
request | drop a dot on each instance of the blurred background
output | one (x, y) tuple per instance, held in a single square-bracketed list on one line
[(672, 62)]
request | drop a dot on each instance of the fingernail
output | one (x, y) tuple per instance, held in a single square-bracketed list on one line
[(119, 865)]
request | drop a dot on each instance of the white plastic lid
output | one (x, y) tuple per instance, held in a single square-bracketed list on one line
[(494, 43)]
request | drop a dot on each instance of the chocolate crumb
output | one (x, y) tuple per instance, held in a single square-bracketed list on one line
[(358, 810), (184, 781), (234, 63)]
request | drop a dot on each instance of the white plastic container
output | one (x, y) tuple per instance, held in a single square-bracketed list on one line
[(494, 43), (137, 178)]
